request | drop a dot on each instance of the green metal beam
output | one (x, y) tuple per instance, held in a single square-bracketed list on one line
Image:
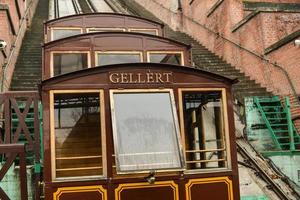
[(290, 123), (280, 153)]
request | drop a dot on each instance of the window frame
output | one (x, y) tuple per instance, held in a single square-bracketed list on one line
[(102, 135), (63, 28), (166, 52), (68, 52), (176, 125), (117, 52), (105, 29), (226, 127), (132, 30)]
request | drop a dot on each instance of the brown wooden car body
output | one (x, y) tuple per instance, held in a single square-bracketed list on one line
[(186, 182)]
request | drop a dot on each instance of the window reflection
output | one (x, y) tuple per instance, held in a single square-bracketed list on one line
[(145, 132), (149, 31), (77, 135), (69, 62), (204, 130), (62, 33), (170, 58), (117, 58)]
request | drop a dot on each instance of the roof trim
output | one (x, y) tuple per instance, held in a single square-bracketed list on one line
[(106, 68), (104, 13), (112, 33)]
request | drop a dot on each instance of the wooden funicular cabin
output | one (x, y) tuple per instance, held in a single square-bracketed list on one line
[(127, 117)]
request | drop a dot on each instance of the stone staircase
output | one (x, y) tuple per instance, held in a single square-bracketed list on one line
[(28, 69), (208, 61), (204, 58)]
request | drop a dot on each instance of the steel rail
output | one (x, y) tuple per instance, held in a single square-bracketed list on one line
[(91, 6), (274, 186), (76, 7), (56, 9)]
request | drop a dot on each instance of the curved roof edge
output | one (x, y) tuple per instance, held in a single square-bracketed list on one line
[(103, 13), (94, 70), (108, 33)]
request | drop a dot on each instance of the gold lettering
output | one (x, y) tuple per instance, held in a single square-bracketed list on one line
[(131, 80), (150, 78), (124, 78), (139, 75), (167, 74), (114, 78), (158, 78)]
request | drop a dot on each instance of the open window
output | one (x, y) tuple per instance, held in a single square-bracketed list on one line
[(58, 33), (77, 134), (66, 62), (175, 58), (145, 130), (205, 128), (117, 57)]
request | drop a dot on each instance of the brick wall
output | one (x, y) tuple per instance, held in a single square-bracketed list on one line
[(9, 20), (255, 35)]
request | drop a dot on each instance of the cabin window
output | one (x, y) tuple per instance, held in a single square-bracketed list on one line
[(93, 30), (108, 58), (77, 134), (175, 58), (69, 62), (146, 31), (204, 128), (59, 33), (145, 131)]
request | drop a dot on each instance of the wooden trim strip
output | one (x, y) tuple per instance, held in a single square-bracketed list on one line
[(77, 168), (208, 150), (77, 157), (204, 161)]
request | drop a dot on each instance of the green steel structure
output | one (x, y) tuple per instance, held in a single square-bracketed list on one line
[(277, 118)]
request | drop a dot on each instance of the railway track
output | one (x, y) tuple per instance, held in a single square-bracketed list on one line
[(71, 7), (286, 193)]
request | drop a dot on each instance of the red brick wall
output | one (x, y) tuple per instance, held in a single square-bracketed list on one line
[(14, 42), (260, 32)]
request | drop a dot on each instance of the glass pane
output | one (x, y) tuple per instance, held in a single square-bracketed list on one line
[(114, 58), (62, 33), (77, 135), (69, 62), (145, 132), (150, 32), (170, 58), (204, 129)]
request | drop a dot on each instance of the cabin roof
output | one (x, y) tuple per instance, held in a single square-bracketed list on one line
[(157, 66), (103, 14)]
